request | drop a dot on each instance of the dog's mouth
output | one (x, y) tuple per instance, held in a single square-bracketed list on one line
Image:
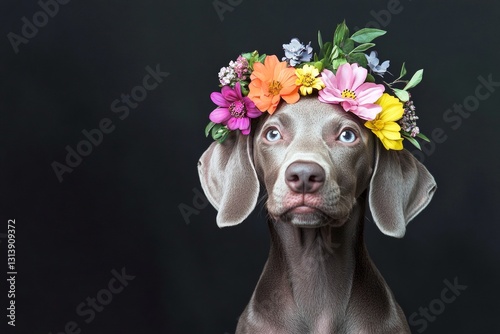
[(309, 210), (309, 215), (305, 216), (302, 209)]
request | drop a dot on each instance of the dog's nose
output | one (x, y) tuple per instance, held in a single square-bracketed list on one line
[(304, 177)]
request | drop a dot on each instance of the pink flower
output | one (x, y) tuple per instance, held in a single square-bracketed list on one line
[(234, 110), (349, 89)]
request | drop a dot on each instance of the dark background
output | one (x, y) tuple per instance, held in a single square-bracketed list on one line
[(120, 207)]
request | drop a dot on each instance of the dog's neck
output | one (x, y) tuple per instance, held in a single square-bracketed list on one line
[(310, 271)]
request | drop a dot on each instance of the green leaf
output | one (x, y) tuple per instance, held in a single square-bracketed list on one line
[(403, 71), (415, 79), (367, 35), (424, 137), (326, 50), (253, 57), (247, 55), (401, 94), (337, 62), (412, 140), (223, 137), (348, 46), (341, 34), (208, 128), (359, 58), (220, 132), (370, 78), (244, 89), (318, 65), (320, 40), (214, 129), (335, 53), (362, 47)]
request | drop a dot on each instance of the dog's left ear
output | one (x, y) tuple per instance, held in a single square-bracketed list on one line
[(400, 188), (229, 180)]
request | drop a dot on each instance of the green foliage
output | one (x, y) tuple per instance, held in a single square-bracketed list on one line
[(367, 35), (345, 49), (412, 140), (415, 79), (403, 71), (359, 58), (341, 34), (208, 128), (219, 132), (253, 57), (403, 95)]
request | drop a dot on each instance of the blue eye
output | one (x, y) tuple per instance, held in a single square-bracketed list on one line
[(347, 136), (273, 135)]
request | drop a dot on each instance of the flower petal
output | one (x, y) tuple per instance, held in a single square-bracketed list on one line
[(232, 124), (292, 97), (369, 92), (229, 94), (237, 90), (326, 96), (244, 123), (393, 144), (220, 115), (344, 76), (392, 135), (246, 131), (219, 99), (359, 76), (253, 112), (392, 126), (368, 111), (350, 105)]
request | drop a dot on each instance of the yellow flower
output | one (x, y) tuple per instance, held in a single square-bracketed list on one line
[(384, 125), (307, 79)]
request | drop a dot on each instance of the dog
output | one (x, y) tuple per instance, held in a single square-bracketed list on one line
[(320, 166)]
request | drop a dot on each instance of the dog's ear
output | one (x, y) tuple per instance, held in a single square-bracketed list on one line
[(400, 188), (229, 179)]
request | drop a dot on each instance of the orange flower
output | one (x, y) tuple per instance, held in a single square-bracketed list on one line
[(272, 81)]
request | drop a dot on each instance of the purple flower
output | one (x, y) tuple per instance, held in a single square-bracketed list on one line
[(235, 110), (240, 67), (373, 63), (296, 52), (409, 121)]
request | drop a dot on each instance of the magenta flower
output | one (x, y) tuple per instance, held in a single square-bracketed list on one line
[(349, 89), (235, 110)]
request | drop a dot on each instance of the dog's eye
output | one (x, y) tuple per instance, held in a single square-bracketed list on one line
[(273, 135), (347, 136)]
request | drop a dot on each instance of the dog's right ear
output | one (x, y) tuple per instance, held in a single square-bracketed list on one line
[(229, 179), (400, 188)]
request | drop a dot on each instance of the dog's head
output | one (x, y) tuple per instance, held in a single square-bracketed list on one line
[(314, 160)]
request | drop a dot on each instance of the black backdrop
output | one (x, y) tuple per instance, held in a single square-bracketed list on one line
[(117, 212)]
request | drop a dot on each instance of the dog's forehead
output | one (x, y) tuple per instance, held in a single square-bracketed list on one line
[(310, 112)]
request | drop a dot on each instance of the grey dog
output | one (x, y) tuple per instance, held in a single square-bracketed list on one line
[(320, 166)]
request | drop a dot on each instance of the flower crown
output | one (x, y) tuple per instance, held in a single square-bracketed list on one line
[(341, 74)]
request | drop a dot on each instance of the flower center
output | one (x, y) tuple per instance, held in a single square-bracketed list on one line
[(275, 87), (308, 80), (348, 94), (237, 109)]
